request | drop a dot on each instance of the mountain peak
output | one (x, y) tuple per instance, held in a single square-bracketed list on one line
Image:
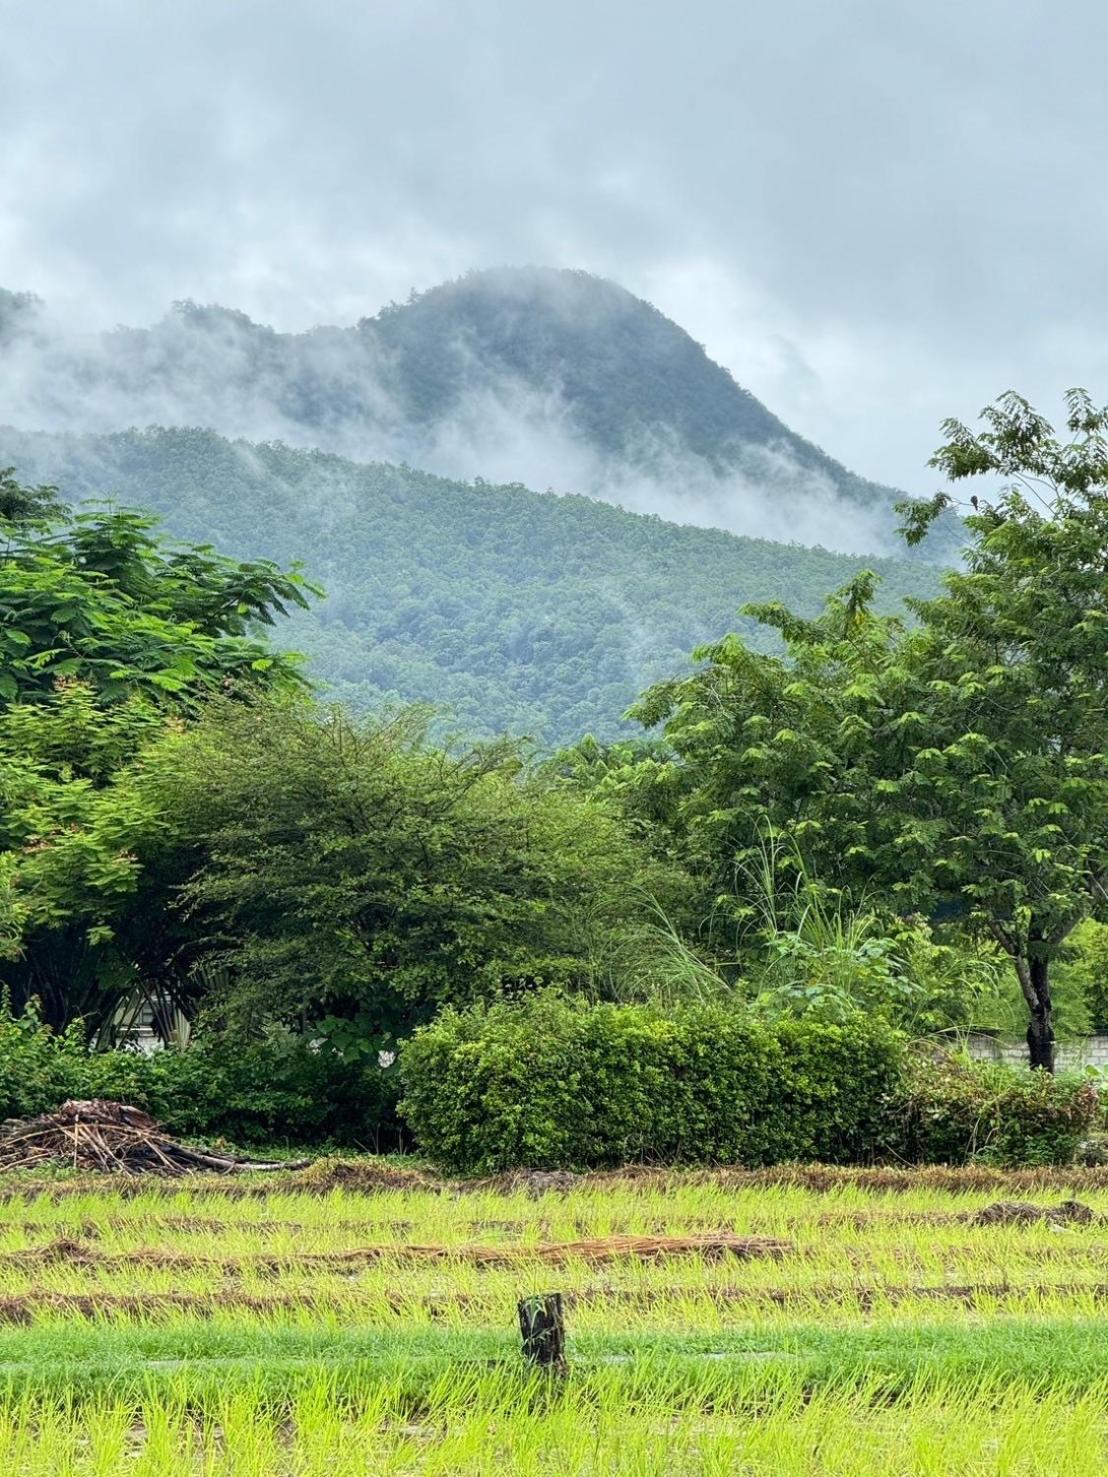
[(549, 376)]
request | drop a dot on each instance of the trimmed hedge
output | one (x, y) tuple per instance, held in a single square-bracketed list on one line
[(274, 1090), (552, 1083)]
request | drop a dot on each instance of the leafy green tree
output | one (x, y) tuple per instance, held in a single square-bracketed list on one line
[(101, 598), (959, 767), (1009, 789), (108, 636), (763, 747), (352, 871), (21, 505), (70, 820)]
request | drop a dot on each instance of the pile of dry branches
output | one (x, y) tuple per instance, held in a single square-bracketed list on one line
[(99, 1135)]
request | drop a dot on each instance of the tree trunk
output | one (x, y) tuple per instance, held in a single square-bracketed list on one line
[(1040, 1029)]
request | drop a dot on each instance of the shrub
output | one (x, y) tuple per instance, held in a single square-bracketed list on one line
[(551, 1082), (957, 1110), (39, 1070), (277, 1088)]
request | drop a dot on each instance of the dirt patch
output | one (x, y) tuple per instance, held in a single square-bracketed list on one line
[(642, 1248), (1019, 1213)]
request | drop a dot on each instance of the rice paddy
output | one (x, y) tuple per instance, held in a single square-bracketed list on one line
[(364, 1321)]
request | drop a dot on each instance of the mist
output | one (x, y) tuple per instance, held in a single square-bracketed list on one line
[(338, 390)]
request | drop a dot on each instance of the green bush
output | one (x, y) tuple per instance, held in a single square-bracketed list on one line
[(957, 1110), (551, 1082), (275, 1089), (39, 1070)]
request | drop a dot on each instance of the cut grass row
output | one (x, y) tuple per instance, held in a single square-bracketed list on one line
[(635, 1206), (724, 1369), (382, 1177)]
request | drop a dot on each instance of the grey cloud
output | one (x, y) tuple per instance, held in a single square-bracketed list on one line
[(875, 214)]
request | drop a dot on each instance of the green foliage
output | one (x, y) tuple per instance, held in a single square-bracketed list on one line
[(555, 1083), (282, 1087), (811, 951), (279, 1088), (70, 819), (352, 869), (959, 982), (109, 636), (765, 746), (40, 1069), (1081, 973), (515, 611), (1008, 799), (101, 599), (21, 505), (955, 768), (957, 1110)]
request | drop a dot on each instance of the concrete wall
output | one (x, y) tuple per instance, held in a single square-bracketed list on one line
[(1083, 1051)]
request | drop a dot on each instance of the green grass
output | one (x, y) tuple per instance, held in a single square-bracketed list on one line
[(183, 1328)]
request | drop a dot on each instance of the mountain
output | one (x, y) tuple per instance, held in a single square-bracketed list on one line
[(517, 610), (553, 378)]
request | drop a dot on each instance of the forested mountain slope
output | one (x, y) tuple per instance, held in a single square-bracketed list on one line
[(550, 377), (515, 610)]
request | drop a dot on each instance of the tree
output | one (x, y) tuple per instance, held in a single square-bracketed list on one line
[(1010, 784), (765, 746), (109, 636), (71, 817), (353, 871), (958, 766), (21, 505)]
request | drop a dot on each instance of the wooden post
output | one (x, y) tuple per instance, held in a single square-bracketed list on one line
[(542, 1324)]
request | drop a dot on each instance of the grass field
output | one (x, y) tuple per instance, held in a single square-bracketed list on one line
[(812, 1322)]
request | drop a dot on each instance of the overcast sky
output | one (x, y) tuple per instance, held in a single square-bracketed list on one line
[(875, 213)]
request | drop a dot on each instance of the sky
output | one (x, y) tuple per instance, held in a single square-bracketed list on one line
[(875, 213)]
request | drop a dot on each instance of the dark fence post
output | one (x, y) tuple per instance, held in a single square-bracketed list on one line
[(543, 1326)]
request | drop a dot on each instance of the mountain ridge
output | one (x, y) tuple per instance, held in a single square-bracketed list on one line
[(551, 377)]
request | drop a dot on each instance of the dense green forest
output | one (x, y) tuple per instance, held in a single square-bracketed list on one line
[(514, 610)]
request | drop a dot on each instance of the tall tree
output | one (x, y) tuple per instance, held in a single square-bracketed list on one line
[(108, 635), (1011, 781), (959, 764)]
